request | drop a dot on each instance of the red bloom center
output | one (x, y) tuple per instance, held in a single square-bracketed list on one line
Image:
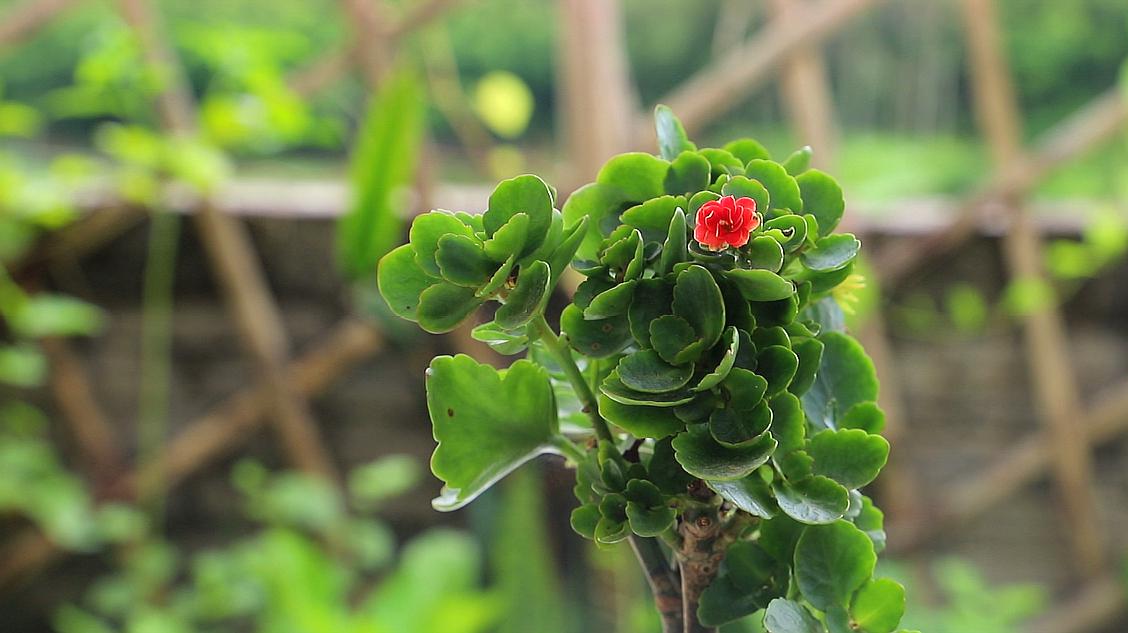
[(726, 223)]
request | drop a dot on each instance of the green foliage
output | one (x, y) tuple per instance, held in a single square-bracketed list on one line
[(486, 424), (316, 563), (716, 383), (383, 166), (966, 601)]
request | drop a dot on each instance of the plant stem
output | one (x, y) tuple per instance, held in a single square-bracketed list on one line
[(559, 350), (663, 580), (568, 448)]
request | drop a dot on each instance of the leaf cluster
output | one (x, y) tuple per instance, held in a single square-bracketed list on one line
[(713, 381)]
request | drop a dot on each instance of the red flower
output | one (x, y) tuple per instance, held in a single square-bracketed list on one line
[(726, 222)]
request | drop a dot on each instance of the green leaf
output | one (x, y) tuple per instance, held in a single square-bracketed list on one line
[(751, 494), (812, 500), (645, 371), (777, 364), (611, 302), (498, 280), (809, 351), (778, 537), (698, 200), (647, 508), (743, 187), (822, 198), (675, 340), (562, 256), (866, 416), (747, 149), (765, 253), (704, 457), (878, 606), (526, 194), (735, 428), (760, 285), (427, 230), (46, 314), (744, 388), (721, 162), (724, 366), (486, 424), (790, 229), (382, 164), (851, 457), (845, 378), (651, 300), (831, 562), (871, 520), (723, 602), (584, 520), (601, 204), (22, 366), (672, 139), (639, 176), (832, 252), (785, 616), (527, 298), (653, 216), (781, 186), (674, 249), (597, 339), (698, 300), (614, 388), (501, 340), (463, 262), (744, 584), (788, 423), (638, 420), (799, 161), (689, 173), (509, 239), (443, 306)]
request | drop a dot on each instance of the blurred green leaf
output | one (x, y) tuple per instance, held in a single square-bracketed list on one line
[(386, 477), (383, 166)]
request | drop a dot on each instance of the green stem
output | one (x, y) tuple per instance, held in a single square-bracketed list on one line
[(568, 448), (559, 350)]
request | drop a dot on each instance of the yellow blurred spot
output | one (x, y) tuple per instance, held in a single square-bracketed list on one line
[(504, 103), (846, 293)]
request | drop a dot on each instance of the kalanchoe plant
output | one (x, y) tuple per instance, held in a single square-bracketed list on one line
[(717, 415)]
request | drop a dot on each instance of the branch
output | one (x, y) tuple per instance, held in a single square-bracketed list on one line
[(212, 435), (329, 68), (718, 87), (87, 422), (23, 21), (664, 581), (1100, 603), (1028, 460), (1072, 137)]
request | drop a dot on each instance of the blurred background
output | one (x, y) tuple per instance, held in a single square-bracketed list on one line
[(209, 421)]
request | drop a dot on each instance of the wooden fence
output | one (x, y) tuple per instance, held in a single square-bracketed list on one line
[(592, 73)]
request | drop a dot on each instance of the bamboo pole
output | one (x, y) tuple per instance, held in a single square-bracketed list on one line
[(217, 432), (83, 415), (24, 20), (231, 253), (718, 87), (1087, 127), (597, 102), (1054, 380)]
